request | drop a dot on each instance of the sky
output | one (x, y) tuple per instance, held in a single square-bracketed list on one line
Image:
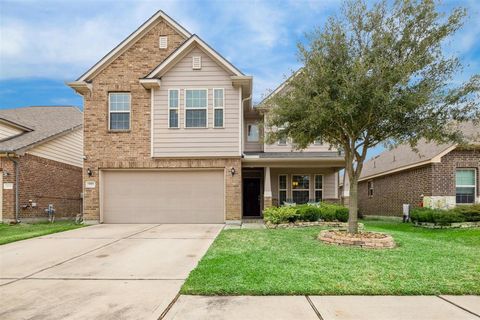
[(44, 44)]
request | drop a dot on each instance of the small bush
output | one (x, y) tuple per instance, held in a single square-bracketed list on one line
[(307, 212), (469, 212), (441, 217), (278, 215)]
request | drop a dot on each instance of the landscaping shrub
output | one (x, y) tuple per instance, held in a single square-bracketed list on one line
[(441, 217), (278, 215), (306, 212), (469, 212)]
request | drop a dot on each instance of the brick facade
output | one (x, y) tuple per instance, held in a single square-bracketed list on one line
[(44, 182), (437, 179), (132, 149)]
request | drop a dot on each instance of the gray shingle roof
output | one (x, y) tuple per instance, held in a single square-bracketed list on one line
[(44, 123), (403, 155)]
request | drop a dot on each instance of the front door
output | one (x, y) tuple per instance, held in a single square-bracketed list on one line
[(251, 197)]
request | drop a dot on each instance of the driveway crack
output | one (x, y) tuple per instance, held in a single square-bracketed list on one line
[(314, 308)]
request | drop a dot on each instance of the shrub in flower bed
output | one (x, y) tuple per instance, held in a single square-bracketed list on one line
[(446, 217), (306, 212)]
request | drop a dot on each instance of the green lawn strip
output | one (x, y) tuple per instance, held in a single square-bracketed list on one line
[(293, 262), (21, 231)]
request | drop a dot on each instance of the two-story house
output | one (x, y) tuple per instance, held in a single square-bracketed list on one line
[(171, 137)]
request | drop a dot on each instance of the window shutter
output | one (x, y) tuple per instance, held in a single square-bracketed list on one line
[(197, 62), (163, 42)]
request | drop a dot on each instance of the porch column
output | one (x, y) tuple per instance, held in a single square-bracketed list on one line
[(267, 189)]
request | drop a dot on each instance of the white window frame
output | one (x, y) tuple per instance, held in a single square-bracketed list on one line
[(129, 111), (258, 132), (315, 186), (467, 186), (309, 185), (170, 108), (280, 189), (218, 108), (185, 108)]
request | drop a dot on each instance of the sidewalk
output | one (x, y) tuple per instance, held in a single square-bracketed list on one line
[(325, 308)]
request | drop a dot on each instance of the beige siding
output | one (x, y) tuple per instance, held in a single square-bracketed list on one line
[(8, 131), (67, 149), (330, 184), (196, 142)]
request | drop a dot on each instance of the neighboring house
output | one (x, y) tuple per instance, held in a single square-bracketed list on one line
[(438, 176), (171, 137), (41, 150)]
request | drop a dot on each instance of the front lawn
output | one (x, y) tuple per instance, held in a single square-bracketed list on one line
[(21, 231), (293, 262)]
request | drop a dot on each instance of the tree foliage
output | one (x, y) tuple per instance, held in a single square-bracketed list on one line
[(374, 76)]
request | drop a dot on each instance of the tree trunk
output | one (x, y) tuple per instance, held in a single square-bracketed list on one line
[(352, 206)]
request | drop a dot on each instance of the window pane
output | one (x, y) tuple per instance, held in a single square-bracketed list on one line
[(465, 194), (119, 101), (318, 196), (300, 197), (282, 197), (218, 118), (173, 114), (196, 118), (282, 182), (196, 99), (318, 182), (252, 134), (282, 141), (465, 177), (218, 98), (300, 182), (120, 121), (173, 103)]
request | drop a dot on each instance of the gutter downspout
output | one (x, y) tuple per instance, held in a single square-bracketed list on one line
[(15, 163)]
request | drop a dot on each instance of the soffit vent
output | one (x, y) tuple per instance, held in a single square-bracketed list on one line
[(197, 62)]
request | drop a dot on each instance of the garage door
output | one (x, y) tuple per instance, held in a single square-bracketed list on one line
[(163, 196)]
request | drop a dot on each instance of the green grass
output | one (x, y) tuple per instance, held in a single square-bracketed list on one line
[(293, 262), (21, 231)]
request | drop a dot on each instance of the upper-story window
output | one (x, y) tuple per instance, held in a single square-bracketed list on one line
[(196, 108), (252, 132), (173, 104), (218, 106), (465, 185), (119, 106), (318, 141), (370, 188)]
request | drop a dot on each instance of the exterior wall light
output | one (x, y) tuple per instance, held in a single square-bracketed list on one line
[(89, 172), (232, 171)]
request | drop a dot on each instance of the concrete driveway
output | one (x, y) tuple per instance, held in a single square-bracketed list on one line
[(103, 271)]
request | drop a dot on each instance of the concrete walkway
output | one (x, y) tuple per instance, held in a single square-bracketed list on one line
[(326, 308), (100, 272)]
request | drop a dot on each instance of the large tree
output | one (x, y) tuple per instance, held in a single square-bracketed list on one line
[(375, 76)]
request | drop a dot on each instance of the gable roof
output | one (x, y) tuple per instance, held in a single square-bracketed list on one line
[(280, 87), (43, 123), (184, 49), (131, 39), (403, 157)]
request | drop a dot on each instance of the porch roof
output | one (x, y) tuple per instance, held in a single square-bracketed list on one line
[(311, 159)]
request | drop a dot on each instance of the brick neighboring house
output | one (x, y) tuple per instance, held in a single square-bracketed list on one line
[(171, 136), (41, 155), (438, 176)]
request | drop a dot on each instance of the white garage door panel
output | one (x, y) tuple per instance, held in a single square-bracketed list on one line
[(163, 196)]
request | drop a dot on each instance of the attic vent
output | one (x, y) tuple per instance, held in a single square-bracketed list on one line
[(163, 42), (197, 62)]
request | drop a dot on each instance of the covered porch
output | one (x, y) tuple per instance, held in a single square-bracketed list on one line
[(273, 179)]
